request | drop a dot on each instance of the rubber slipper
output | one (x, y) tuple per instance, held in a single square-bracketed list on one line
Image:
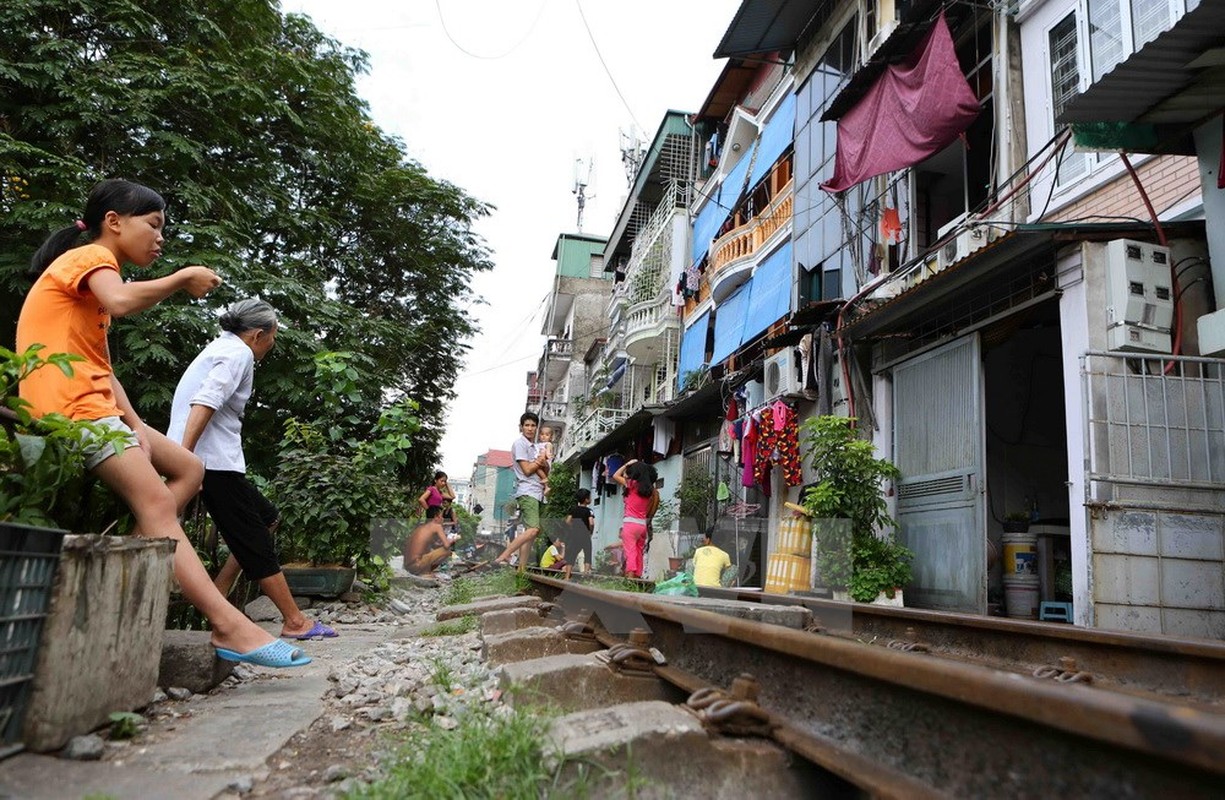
[(317, 631), (274, 654)]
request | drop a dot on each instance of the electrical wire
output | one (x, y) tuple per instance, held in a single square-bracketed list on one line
[(531, 28), (600, 56)]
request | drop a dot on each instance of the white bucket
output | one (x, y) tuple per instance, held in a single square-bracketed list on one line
[(1021, 596), (1020, 554)]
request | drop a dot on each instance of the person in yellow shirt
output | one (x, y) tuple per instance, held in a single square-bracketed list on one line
[(554, 558), (708, 564)]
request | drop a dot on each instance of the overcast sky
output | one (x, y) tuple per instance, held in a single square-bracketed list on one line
[(501, 97)]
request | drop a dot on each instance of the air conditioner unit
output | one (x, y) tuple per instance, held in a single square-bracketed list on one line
[(964, 237), (782, 374), (1139, 300)]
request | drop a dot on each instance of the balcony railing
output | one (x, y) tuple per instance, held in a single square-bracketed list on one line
[(596, 425), (738, 244), (553, 410), (559, 349), (647, 317)]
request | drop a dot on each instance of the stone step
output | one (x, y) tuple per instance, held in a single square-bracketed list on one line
[(577, 683), (526, 644), (658, 750), (512, 619), (486, 605)]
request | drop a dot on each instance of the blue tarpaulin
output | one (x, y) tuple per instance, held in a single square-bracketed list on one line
[(777, 136), (729, 324), (733, 185), (706, 225), (693, 348), (770, 296)]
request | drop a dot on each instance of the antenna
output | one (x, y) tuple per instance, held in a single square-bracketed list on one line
[(582, 179), (632, 152)]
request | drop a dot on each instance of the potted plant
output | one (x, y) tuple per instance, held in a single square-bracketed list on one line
[(1016, 522), (332, 491), (856, 544)]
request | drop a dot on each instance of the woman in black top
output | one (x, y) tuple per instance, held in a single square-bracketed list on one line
[(580, 522)]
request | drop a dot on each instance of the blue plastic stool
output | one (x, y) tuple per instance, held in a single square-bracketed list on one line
[(1055, 612)]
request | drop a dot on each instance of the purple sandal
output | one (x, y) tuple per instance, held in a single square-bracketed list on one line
[(317, 631)]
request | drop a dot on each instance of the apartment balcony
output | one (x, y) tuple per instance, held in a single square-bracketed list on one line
[(556, 360), (647, 326), (597, 424), (553, 412), (734, 251)]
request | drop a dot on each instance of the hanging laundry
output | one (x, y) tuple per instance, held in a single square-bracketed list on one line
[(723, 492), (780, 446), (891, 226), (748, 449), (665, 429)]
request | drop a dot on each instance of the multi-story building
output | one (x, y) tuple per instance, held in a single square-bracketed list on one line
[(1016, 301), (558, 389), (492, 487)]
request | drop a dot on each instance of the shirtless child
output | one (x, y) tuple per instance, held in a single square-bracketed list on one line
[(428, 545)]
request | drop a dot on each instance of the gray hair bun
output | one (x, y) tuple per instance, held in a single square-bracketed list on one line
[(248, 315)]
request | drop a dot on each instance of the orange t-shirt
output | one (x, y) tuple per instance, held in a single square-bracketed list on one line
[(63, 315)]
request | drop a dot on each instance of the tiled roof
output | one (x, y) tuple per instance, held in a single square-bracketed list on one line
[(498, 458)]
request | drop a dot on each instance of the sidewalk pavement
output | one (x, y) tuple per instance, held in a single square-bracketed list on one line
[(227, 738)]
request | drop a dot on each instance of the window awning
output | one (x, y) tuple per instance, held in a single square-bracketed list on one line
[(693, 348), (733, 185), (706, 225), (769, 293), (729, 324), (914, 110), (775, 139)]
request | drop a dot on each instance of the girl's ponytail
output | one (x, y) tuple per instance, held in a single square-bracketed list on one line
[(56, 245)]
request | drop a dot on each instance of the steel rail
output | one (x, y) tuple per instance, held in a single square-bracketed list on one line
[(957, 728), (1132, 662)]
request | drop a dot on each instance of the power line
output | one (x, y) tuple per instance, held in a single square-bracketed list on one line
[(603, 64), (513, 48)]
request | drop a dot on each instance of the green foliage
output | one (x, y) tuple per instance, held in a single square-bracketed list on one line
[(327, 515), (42, 468), (499, 582), (856, 546), (487, 757), (468, 524), (125, 724), (695, 497), (563, 484), (452, 627), (249, 122)]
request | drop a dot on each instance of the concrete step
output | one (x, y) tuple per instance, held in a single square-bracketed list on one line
[(657, 750), (486, 605), (578, 683), (513, 619)]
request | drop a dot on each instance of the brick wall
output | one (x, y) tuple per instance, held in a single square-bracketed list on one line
[(1169, 180)]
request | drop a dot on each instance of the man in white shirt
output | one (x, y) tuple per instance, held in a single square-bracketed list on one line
[(531, 469), (206, 418)]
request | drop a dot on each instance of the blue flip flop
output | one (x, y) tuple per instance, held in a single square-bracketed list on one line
[(274, 654)]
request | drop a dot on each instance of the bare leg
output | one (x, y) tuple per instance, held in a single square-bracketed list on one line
[(155, 506), (295, 622), (522, 539), (226, 577)]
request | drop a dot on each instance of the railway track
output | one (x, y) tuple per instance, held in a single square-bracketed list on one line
[(946, 717)]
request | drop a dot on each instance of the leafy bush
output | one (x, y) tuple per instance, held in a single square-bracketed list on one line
[(42, 469), (332, 485), (856, 546)]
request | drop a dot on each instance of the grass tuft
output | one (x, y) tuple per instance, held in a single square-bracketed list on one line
[(452, 627), (465, 590)]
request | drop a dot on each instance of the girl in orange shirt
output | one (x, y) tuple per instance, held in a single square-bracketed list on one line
[(68, 310)]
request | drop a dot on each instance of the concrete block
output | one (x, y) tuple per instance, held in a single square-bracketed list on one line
[(1193, 536), (1194, 622), (1138, 619), (486, 605), (577, 683), (1128, 533), (189, 661), (669, 754), (1125, 579), (1192, 584), (788, 616), (512, 619), (262, 609), (528, 643), (102, 641)]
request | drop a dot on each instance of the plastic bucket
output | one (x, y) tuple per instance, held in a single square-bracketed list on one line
[(1021, 596), (1020, 554)]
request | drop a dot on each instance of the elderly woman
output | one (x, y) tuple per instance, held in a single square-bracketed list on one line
[(206, 418)]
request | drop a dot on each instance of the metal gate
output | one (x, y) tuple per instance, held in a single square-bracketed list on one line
[(938, 446)]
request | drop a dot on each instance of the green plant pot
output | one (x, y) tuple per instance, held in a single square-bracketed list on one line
[(319, 581), (1015, 526)]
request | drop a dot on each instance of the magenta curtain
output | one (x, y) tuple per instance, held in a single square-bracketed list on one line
[(915, 109)]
